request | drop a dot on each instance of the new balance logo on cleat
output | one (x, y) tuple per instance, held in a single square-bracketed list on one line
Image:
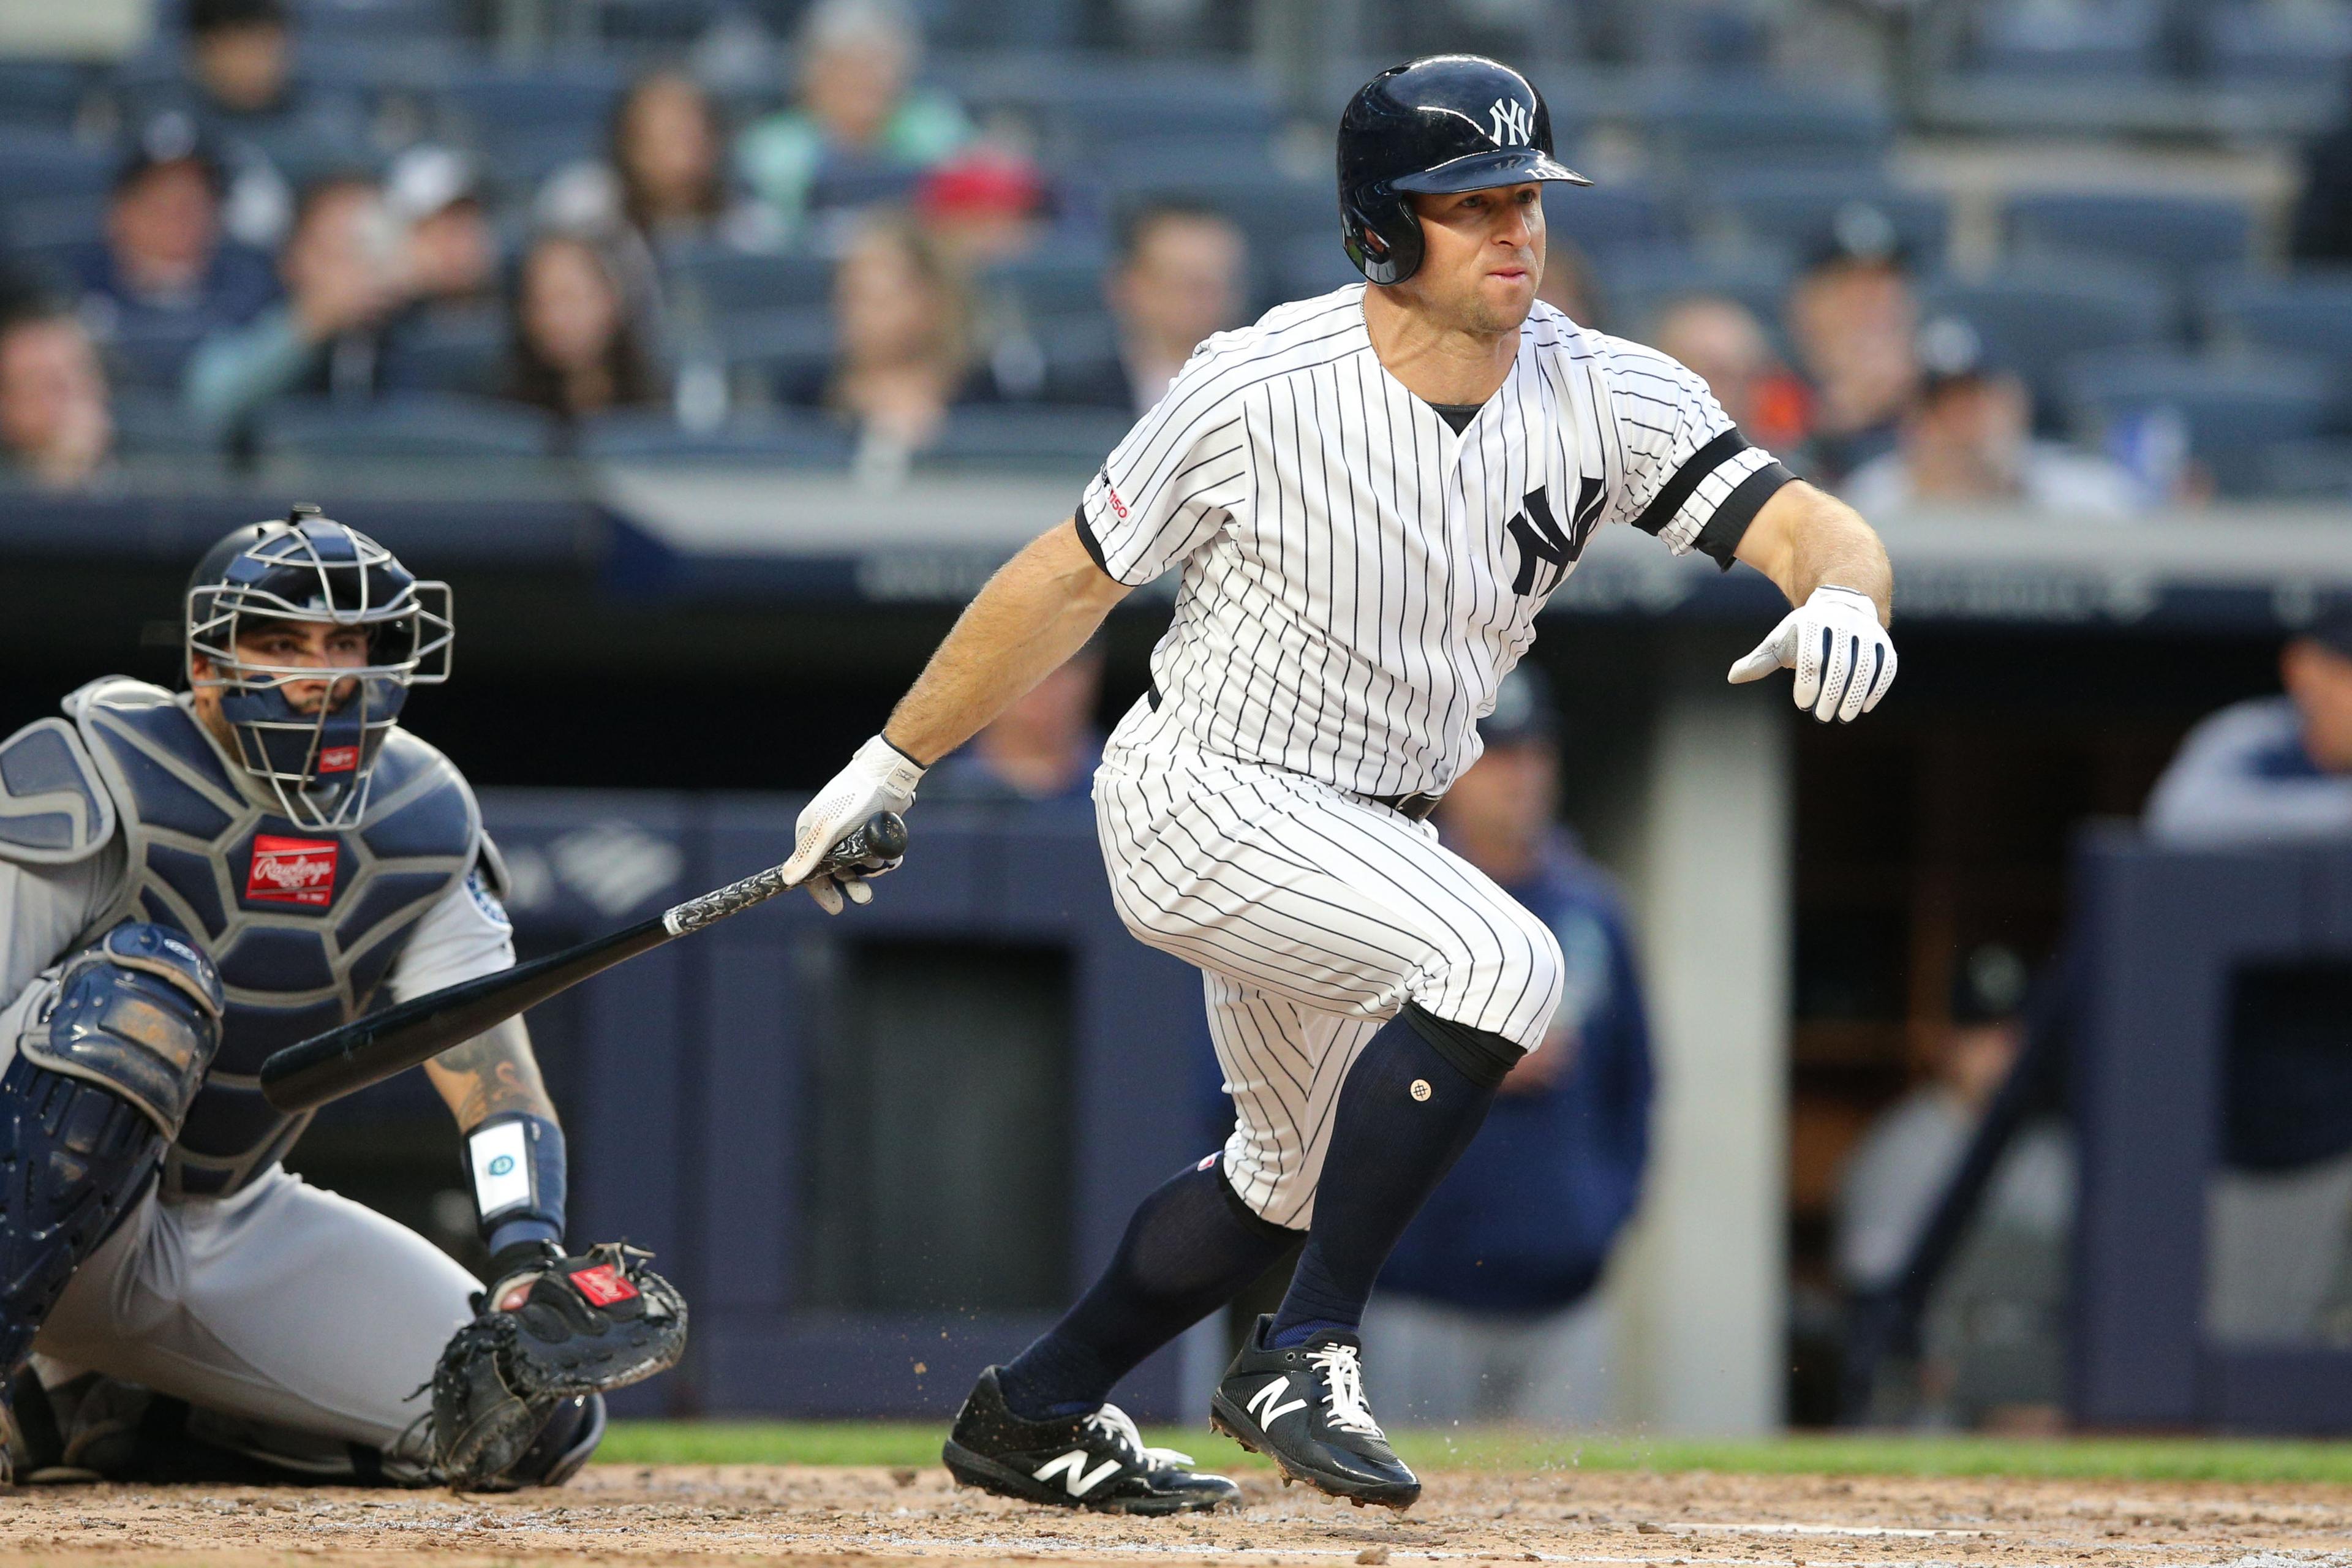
[(1079, 1480), (1261, 1403)]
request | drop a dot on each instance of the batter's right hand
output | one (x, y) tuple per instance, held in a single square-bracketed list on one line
[(879, 777)]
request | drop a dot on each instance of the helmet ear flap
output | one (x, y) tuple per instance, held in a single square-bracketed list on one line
[(1382, 236)]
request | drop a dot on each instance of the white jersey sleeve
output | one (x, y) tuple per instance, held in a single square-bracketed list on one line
[(1169, 487), (44, 908), (465, 936), (1688, 476)]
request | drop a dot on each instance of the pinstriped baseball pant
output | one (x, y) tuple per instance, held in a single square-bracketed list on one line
[(1314, 915)]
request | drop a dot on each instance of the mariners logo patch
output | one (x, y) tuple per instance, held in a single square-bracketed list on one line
[(293, 870), (602, 1284)]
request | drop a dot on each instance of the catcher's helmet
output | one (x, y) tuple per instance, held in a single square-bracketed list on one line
[(317, 761), (1444, 122)]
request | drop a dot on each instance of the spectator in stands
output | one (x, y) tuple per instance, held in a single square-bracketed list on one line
[(663, 180), (1486, 1311), (1180, 273), (163, 277), (575, 353), (345, 274), (1993, 1335), (862, 133), (1967, 440), (1722, 340), (54, 430), (986, 204), (1852, 320), (1044, 747), (903, 352), (239, 86)]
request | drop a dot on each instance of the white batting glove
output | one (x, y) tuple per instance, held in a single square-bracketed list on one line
[(879, 777), (1843, 658)]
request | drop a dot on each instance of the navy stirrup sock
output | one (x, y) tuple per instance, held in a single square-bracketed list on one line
[(1191, 1247), (1415, 1097)]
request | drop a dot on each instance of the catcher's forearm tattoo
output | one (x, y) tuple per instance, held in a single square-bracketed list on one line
[(492, 1072)]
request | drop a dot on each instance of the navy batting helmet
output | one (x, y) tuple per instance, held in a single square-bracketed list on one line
[(1441, 123)]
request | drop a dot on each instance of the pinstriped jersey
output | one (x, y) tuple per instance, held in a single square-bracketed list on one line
[(1357, 577)]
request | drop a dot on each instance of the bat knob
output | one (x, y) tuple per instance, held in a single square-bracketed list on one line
[(886, 835)]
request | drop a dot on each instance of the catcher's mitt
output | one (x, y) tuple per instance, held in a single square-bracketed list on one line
[(579, 1325)]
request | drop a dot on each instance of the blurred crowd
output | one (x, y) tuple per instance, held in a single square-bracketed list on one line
[(850, 265)]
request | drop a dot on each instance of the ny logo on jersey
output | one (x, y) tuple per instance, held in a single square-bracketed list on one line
[(1541, 543), (1513, 125)]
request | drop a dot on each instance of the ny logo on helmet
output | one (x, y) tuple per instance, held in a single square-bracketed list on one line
[(1513, 125)]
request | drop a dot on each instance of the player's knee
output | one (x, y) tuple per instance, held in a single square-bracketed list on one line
[(138, 1015)]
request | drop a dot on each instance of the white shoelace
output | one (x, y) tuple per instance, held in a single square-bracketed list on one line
[(1120, 1427), (1343, 1377)]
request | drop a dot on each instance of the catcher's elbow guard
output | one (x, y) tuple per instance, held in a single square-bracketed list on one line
[(588, 1323)]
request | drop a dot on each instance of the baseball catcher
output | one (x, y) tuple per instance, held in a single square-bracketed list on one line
[(189, 882)]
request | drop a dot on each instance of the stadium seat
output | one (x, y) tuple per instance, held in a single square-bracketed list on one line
[(784, 345), (454, 352), (727, 282), (150, 422), (37, 163), (1705, 125), (2308, 470), (2180, 232), (151, 353), (1635, 284), (2305, 312), (374, 21), (1051, 283), (2035, 318), (412, 425), (42, 95), (527, 123), (1014, 435), (1797, 211), (1611, 217), (2260, 45), (766, 435), (2235, 409), (2114, 38)]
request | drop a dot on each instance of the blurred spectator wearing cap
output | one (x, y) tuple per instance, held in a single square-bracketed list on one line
[(987, 203), (1967, 440), (238, 86), (575, 351), (1992, 1339), (364, 265), (1181, 274), (54, 430), (1852, 320), (1721, 338), (903, 343), (1486, 1311), (163, 276), (862, 132), (1044, 747)]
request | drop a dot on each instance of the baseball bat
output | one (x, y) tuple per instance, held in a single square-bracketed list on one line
[(307, 1075)]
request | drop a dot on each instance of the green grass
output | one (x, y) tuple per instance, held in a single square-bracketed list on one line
[(2119, 1458)]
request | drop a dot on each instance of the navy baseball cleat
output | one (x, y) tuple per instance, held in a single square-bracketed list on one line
[(1304, 1408), (1096, 1461)]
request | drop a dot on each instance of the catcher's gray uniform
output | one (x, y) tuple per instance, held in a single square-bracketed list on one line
[(234, 1285)]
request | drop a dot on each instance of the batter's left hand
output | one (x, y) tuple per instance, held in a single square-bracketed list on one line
[(1843, 658)]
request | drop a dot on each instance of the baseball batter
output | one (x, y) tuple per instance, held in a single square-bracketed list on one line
[(187, 882), (1368, 496)]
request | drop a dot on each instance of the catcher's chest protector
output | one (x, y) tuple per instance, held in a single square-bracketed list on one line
[(302, 922)]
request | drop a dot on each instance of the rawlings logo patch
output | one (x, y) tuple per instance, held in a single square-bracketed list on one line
[(339, 759), (602, 1284), (293, 870)]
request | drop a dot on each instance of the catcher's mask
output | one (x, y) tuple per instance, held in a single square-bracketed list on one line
[(311, 568)]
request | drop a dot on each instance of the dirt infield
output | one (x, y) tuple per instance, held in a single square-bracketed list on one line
[(704, 1514)]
